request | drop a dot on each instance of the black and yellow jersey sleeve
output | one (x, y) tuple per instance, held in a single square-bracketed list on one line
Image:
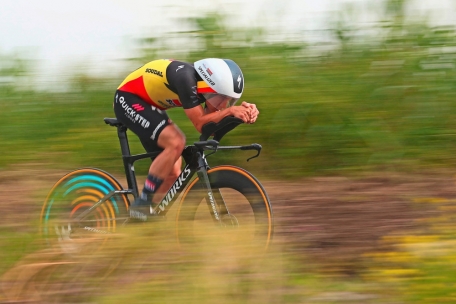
[(164, 84)]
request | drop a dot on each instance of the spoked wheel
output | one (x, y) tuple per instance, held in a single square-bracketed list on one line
[(244, 209), (69, 217)]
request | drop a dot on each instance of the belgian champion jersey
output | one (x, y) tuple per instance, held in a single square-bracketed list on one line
[(165, 84)]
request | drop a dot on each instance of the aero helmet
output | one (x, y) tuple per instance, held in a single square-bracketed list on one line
[(221, 76)]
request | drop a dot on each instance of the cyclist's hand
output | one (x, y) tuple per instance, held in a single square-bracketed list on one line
[(253, 111), (241, 112)]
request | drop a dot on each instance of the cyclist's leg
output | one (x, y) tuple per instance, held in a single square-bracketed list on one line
[(157, 133), (172, 141), (147, 122), (168, 181), (167, 165)]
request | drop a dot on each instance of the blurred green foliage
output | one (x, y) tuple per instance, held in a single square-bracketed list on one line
[(383, 103)]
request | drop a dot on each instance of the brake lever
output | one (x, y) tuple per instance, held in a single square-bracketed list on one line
[(210, 145), (214, 150), (256, 147)]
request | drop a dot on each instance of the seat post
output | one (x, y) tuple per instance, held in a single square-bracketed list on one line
[(128, 163)]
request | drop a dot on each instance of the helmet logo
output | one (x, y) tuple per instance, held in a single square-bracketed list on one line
[(209, 71), (208, 79), (239, 79)]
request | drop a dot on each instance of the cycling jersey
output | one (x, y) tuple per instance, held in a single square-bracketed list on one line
[(165, 84)]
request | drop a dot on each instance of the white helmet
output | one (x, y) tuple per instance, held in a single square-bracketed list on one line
[(223, 76)]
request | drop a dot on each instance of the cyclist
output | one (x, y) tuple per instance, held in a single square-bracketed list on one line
[(207, 90)]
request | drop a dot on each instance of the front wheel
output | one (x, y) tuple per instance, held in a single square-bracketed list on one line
[(70, 215), (243, 206)]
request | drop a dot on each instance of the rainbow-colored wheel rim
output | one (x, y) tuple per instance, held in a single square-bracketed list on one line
[(78, 191)]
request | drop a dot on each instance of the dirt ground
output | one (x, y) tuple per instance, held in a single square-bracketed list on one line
[(327, 222), (331, 220)]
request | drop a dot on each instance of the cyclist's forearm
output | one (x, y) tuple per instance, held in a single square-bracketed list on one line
[(199, 117)]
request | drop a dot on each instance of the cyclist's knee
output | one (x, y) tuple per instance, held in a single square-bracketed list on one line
[(172, 139), (177, 144), (180, 146)]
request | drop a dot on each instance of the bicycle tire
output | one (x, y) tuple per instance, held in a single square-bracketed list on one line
[(246, 200), (73, 194)]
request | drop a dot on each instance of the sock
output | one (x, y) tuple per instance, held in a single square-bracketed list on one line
[(150, 186)]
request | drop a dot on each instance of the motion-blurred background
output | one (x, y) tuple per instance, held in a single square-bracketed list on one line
[(345, 89), (341, 85)]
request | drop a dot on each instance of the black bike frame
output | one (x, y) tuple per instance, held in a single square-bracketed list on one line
[(195, 162)]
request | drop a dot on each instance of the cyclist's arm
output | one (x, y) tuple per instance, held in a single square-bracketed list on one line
[(183, 82), (199, 117)]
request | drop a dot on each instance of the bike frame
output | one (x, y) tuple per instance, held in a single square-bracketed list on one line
[(195, 163)]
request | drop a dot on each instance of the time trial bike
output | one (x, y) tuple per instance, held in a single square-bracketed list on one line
[(90, 201)]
